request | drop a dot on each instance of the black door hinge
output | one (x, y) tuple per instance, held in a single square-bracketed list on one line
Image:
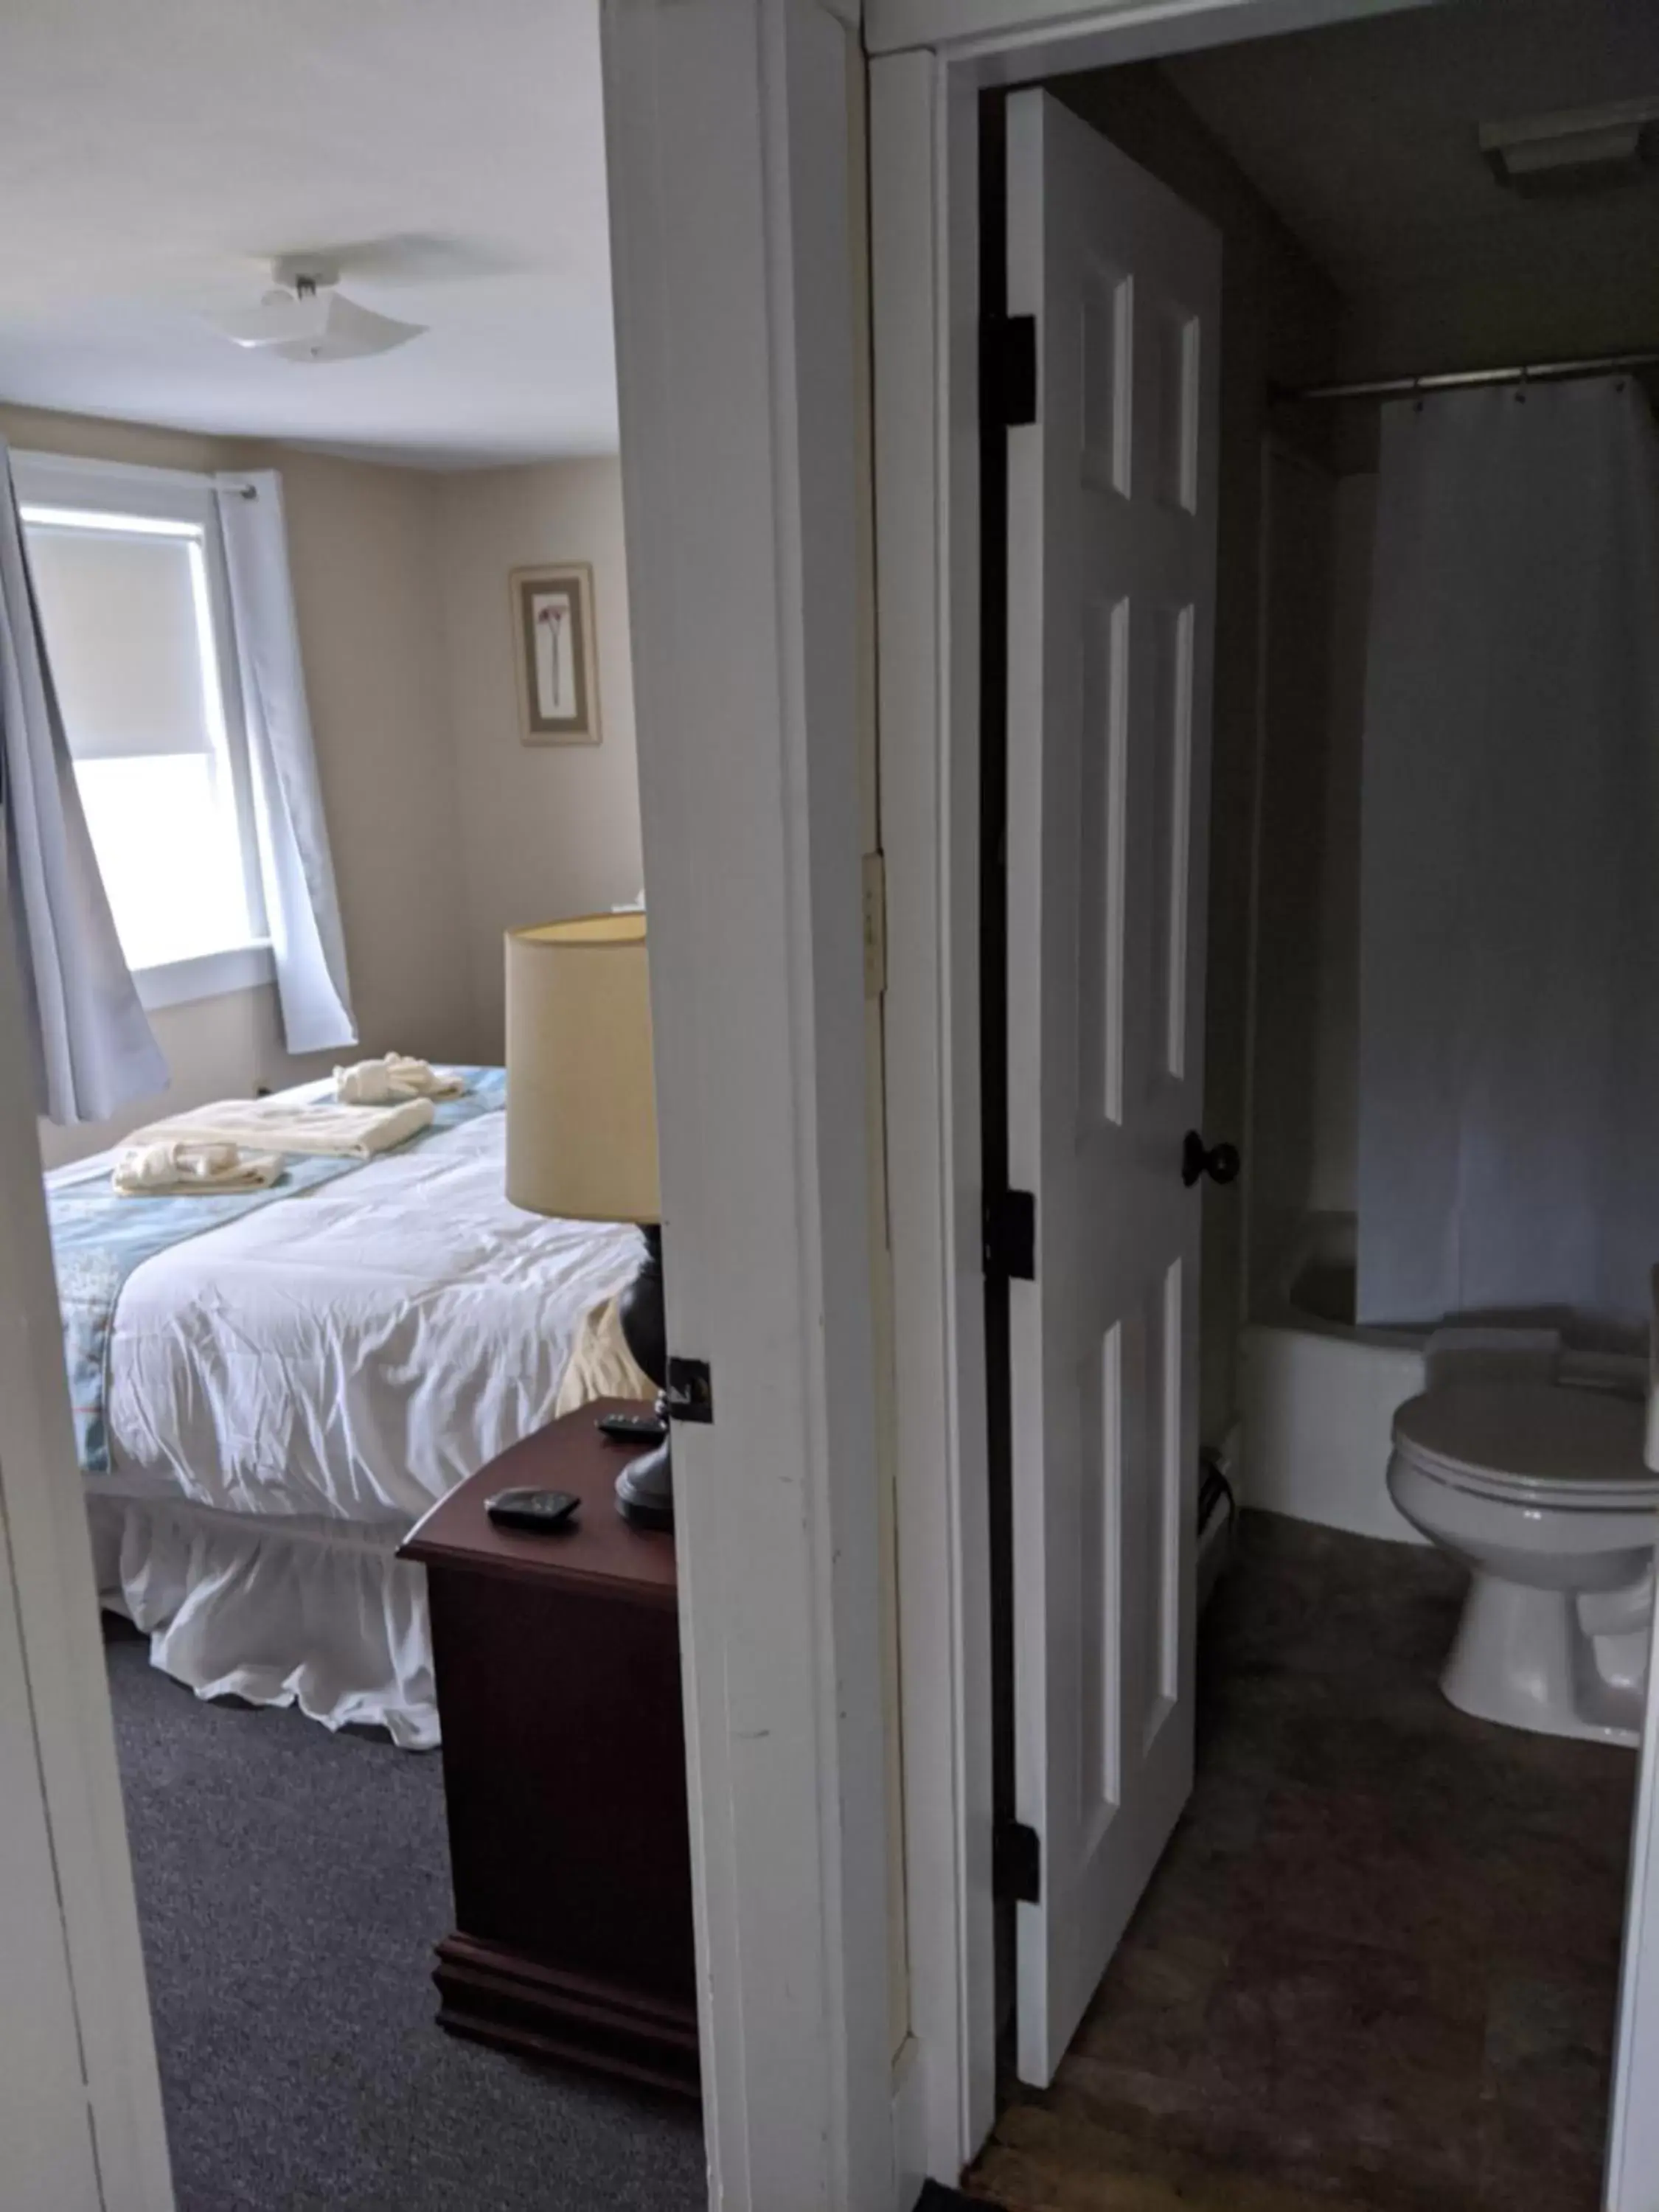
[(1008, 369), (689, 1393), (1017, 1862), (1011, 1235)]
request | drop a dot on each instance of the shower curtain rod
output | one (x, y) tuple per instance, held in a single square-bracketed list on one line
[(1540, 372)]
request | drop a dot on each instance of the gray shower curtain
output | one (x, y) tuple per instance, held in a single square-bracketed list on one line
[(1509, 1118)]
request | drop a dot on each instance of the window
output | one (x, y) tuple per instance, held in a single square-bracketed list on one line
[(129, 572)]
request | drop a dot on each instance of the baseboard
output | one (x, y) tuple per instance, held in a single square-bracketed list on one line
[(497, 1996)]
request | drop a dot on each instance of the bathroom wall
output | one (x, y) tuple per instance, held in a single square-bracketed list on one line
[(1305, 993), (1336, 1060)]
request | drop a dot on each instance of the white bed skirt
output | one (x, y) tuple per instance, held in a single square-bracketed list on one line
[(313, 1613)]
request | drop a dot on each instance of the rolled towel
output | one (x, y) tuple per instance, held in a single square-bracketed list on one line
[(180, 1167), (423, 1079), (385, 1082), (367, 1083)]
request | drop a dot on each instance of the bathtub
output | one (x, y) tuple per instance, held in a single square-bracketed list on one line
[(1318, 1394)]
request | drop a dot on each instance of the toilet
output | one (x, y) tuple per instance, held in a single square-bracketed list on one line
[(1540, 1489)]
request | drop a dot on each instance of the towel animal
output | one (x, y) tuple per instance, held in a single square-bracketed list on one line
[(385, 1082)]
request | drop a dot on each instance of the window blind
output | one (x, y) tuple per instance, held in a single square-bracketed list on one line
[(119, 609)]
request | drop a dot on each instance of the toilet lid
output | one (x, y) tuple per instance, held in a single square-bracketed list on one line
[(1531, 1439)]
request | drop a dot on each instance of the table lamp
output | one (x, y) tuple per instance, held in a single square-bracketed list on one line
[(581, 1124)]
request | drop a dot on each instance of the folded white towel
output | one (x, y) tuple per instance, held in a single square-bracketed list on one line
[(383, 1082), (296, 1125), (177, 1167)]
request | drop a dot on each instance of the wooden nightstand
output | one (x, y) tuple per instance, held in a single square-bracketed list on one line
[(558, 1673)]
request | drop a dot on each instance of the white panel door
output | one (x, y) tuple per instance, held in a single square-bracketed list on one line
[(1111, 549)]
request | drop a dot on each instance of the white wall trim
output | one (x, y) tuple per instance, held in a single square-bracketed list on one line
[(727, 130), (41, 474), (206, 975)]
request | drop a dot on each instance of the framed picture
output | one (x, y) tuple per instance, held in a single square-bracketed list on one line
[(558, 685)]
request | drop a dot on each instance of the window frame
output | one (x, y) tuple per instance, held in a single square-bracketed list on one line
[(68, 484)]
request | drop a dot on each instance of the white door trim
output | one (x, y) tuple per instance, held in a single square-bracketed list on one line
[(1632, 2175), (1006, 40), (89, 2123), (924, 156), (728, 130)]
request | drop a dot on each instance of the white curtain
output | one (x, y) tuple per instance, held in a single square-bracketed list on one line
[(301, 899), (1508, 1119), (93, 1047)]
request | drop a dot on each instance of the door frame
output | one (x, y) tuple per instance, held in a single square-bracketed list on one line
[(737, 270), (930, 61)]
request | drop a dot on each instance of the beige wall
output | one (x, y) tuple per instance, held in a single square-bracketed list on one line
[(544, 830), (1279, 319), (444, 829), (90, 437), (361, 543)]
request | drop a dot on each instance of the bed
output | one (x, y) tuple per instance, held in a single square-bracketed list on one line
[(285, 1394)]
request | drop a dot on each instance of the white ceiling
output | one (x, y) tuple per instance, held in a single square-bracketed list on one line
[(156, 154), (1362, 137)]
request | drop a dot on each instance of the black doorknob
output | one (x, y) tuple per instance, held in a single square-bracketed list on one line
[(1218, 1162)]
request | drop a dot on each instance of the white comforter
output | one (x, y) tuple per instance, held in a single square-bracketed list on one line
[(356, 1350)]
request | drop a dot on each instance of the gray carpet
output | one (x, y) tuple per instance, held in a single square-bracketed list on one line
[(290, 1885)]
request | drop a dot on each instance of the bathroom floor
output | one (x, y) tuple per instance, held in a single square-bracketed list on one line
[(1378, 1965)]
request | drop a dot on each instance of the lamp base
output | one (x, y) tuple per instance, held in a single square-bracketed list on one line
[(645, 1489)]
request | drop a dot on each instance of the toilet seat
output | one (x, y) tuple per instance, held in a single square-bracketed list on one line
[(1531, 1443)]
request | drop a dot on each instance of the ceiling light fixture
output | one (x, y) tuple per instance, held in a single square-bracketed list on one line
[(305, 319), (1575, 150)]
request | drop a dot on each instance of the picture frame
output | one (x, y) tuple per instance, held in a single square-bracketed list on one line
[(554, 648)]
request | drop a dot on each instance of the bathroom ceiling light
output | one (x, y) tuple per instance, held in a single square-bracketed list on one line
[(1575, 150)]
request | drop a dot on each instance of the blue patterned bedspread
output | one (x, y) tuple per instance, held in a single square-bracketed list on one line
[(97, 1239)]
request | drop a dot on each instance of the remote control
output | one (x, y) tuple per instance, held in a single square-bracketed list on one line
[(633, 1428), (537, 1512)]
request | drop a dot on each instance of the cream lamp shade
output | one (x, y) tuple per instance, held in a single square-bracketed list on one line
[(581, 1117)]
